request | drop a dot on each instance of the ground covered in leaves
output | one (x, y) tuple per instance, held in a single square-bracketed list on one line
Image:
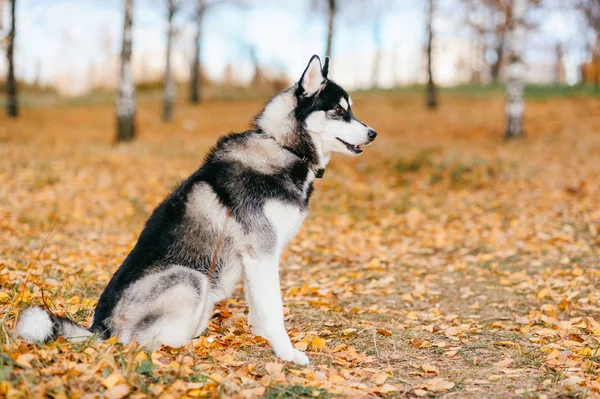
[(442, 262)]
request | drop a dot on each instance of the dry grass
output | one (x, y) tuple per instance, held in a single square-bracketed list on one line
[(441, 253)]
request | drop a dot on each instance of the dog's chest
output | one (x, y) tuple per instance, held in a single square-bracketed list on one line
[(285, 219)]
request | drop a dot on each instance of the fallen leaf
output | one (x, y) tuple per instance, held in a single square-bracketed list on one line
[(112, 380), (384, 332), (118, 392), (274, 368), (437, 385), (429, 369)]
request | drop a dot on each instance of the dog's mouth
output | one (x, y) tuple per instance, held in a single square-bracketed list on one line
[(355, 149)]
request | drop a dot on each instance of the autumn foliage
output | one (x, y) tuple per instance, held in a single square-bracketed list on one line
[(443, 261)]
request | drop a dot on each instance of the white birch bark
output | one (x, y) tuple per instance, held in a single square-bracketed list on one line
[(126, 105), (515, 103)]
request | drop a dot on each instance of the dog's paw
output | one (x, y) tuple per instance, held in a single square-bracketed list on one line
[(294, 355)]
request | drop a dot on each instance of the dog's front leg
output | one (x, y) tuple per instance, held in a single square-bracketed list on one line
[(263, 293)]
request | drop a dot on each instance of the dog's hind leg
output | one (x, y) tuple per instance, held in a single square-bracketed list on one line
[(165, 308), (266, 308)]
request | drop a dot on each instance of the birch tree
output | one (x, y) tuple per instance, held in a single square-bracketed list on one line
[(169, 84), (329, 8), (591, 13), (515, 103), (195, 73), (126, 94), (431, 90), (202, 8), (376, 11), (331, 13), (12, 106)]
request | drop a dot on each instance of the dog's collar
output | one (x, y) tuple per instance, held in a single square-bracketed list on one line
[(318, 172)]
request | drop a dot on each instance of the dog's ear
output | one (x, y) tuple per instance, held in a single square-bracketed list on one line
[(312, 78), (326, 68)]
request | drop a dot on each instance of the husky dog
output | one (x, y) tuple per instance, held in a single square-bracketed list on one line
[(229, 220)]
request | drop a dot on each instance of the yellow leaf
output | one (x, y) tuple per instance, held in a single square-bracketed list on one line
[(4, 296), (429, 369), (301, 345), (141, 356), (118, 392), (542, 294), (274, 368), (504, 363), (336, 379), (112, 340), (386, 388), (506, 343), (586, 351), (420, 343), (318, 343), (340, 348), (218, 378), (407, 298), (554, 354), (380, 379), (412, 316), (438, 385), (384, 332), (25, 359), (112, 380), (349, 331)]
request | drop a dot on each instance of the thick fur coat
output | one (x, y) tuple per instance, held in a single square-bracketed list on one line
[(230, 220)]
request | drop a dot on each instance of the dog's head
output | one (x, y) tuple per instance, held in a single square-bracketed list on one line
[(325, 110)]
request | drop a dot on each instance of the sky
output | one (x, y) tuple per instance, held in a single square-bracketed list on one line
[(67, 41)]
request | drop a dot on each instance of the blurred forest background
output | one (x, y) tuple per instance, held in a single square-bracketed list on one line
[(445, 261), (203, 49)]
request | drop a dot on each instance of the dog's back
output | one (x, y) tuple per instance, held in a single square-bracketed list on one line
[(229, 219)]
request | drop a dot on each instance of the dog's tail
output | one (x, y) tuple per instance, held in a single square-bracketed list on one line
[(37, 325)]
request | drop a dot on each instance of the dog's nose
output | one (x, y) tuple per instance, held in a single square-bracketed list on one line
[(372, 134)]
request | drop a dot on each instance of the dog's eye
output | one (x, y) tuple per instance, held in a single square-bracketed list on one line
[(339, 109)]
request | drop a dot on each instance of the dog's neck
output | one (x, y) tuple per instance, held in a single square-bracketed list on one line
[(278, 121)]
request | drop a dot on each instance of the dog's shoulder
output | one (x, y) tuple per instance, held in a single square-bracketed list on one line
[(250, 151)]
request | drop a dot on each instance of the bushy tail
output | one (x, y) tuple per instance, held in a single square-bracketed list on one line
[(37, 325)]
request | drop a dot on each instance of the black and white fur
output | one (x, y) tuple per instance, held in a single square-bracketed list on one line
[(251, 193)]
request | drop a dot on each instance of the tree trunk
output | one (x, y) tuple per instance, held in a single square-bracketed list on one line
[(559, 70), (376, 68), (431, 90), (378, 50), (196, 72), (515, 103), (596, 62), (330, 25), (497, 65), (126, 95), (257, 77), (1, 15), (169, 85), (12, 106)]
